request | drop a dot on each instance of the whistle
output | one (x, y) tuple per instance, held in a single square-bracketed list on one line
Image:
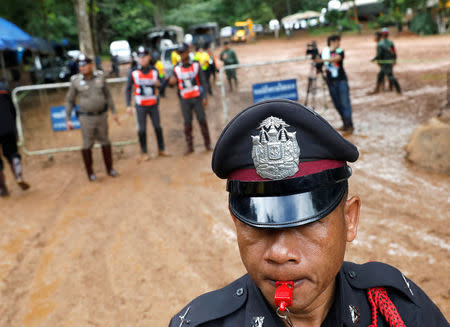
[(284, 294)]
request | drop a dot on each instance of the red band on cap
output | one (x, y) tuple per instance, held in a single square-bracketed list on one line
[(304, 169)]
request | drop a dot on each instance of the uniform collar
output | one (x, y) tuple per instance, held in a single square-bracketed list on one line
[(347, 300), (258, 308), (146, 69)]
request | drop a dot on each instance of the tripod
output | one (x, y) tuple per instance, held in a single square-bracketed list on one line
[(312, 85)]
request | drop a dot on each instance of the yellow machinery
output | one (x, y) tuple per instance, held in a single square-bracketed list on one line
[(243, 31)]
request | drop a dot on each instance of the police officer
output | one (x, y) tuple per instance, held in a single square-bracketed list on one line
[(94, 98), (8, 141), (386, 58), (145, 81), (287, 172), (192, 88)]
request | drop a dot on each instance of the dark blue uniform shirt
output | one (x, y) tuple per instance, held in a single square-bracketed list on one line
[(241, 303)]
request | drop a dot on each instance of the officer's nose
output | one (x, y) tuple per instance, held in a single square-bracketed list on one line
[(283, 248)]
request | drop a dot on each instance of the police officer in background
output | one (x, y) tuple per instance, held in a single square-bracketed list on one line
[(287, 172), (90, 89), (8, 140), (192, 87), (145, 80)]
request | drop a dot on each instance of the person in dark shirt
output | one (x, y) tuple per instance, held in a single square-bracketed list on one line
[(333, 59), (8, 140)]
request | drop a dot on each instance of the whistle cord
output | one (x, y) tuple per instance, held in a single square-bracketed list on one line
[(379, 299)]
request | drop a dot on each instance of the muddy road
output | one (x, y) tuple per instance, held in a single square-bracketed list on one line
[(131, 251)]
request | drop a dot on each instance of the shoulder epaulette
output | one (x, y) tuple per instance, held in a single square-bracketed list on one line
[(213, 305), (377, 274)]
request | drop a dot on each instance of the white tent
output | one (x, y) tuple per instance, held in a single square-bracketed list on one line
[(291, 19)]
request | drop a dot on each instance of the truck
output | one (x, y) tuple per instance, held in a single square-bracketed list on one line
[(243, 31)]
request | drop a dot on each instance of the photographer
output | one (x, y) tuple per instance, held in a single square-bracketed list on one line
[(332, 58)]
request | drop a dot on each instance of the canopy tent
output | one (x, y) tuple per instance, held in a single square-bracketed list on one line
[(299, 16), (365, 7), (11, 38)]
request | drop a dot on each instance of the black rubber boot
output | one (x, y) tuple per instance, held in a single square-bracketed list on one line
[(87, 159), (107, 157), (205, 133), (3, 189), (189, 138), (377, 88), (16, 167), (397, 86)]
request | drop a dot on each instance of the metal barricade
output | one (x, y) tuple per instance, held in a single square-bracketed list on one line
[(303, 74), (21, 138)]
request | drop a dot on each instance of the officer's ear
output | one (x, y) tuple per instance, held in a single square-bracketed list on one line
[(351, 215)]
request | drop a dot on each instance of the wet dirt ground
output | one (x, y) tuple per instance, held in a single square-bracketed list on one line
[(131, 251)]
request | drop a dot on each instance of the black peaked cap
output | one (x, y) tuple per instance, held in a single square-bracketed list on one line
[(317, 139)]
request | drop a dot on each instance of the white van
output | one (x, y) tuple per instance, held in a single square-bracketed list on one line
[(122, 50)]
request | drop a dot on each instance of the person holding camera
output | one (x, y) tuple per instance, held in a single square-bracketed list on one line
[(332, 58)]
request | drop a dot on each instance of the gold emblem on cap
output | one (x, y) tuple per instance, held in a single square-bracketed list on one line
[(275, 151)]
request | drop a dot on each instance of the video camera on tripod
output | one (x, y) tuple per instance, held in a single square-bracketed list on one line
[(311, 49)]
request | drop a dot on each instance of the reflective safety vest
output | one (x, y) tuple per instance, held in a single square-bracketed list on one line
[(144, 87), (160, 67), (188, 80), (175, 58), (203, 59)]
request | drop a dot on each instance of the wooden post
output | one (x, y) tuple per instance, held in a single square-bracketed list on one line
[(84, 29)]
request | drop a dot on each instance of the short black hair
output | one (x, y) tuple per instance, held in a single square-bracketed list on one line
[(333, 37), (226, 43)]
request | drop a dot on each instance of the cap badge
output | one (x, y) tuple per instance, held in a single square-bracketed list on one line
[(275, 151)]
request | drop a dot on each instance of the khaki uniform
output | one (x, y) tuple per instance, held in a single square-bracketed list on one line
[(94, 98)]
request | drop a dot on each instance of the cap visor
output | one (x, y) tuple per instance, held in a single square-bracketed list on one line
[(287, 210)]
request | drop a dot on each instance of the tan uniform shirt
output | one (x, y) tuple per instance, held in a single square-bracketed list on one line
[(93, 94)]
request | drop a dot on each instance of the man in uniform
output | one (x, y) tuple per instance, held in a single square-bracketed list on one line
[(386, 58), (94, 99), (228, 56), (145, 79), (8, 141), (191, 84), (287, 172)]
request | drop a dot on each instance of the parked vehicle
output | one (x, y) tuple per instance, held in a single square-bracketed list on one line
[(205, 34), (122, 50), (226, 32), (166, 59), (243, 31)]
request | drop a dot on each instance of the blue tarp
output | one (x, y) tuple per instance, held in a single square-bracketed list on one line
[(12, 37)]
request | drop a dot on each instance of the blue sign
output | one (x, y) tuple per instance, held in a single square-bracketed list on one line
[(58, 115), (286, 89)]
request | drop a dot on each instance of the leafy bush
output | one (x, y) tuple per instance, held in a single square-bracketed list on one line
[(333, 16), (347, 24), (386, 20), (423, 23)]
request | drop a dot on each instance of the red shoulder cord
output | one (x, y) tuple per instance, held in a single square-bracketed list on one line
[(379, 299)]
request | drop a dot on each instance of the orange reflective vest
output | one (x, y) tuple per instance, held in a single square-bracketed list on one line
[(144, 87), (188, 80)]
